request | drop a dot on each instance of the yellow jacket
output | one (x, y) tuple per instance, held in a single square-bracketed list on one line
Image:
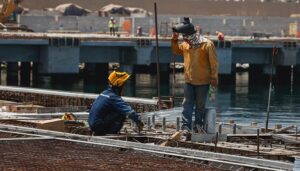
[(200, 64)]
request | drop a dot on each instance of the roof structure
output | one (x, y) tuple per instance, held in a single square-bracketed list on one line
[(72, 9)]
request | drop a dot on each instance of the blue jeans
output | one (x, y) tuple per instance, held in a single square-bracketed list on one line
[(194, 95)]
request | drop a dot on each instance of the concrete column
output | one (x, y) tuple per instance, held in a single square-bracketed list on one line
[(12, 73), (60, 59), (25, 71)]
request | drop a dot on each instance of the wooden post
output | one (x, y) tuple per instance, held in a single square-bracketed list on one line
[(149, 123), (164, 124), (177, 124), (220, 129), (153, 121), (234, 128), (216, 141)]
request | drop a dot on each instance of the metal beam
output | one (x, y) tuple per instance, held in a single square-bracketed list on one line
[(71, 94)]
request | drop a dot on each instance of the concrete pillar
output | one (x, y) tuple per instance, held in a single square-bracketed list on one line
[(25, 71), (283, 75), (12, 73), (59, 58)]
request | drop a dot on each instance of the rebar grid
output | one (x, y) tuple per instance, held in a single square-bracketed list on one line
[(11, 135), (63, 155)]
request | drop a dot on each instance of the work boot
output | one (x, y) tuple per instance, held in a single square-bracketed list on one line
[(187, 134)]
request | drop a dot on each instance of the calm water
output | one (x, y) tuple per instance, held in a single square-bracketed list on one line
[(239, 102)]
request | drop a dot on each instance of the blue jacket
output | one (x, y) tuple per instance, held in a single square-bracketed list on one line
[(108, 102)]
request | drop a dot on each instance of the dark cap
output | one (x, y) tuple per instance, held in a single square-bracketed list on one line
[(186, 27)]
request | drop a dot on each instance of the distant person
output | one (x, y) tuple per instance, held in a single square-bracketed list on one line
[(116, 26), (200, 70), (111, 26), (220, 36), (109, 111)]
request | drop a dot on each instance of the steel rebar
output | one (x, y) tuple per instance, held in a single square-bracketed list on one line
[(157, 57)]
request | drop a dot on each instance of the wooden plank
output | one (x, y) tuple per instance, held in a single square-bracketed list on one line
[(286, 139), (22, 108), (283, 129), (175, 137), (53, 125)]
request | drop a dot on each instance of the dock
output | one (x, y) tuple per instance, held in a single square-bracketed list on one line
[(47, 51)]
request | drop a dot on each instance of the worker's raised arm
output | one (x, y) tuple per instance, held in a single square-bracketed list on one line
[(176, 49), (214, 64), (125, 109)]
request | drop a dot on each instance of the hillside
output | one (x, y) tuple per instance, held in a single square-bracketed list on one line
[(188, 7)]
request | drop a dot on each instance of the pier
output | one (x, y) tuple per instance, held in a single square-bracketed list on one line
[(61, 53)]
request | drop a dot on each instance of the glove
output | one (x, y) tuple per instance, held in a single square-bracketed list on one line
[(140, 126)]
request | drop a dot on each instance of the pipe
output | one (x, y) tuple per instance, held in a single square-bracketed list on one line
[(157, 58), (173, 87), (274, 52)]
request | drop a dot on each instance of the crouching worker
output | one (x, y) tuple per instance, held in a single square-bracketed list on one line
[(109, 111)]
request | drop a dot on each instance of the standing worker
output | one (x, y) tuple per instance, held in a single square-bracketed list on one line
[(200, 70), (111, 26), (220, 35), (116, 27), (109, 110)]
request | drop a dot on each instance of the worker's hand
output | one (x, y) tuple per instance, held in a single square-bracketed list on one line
[(175, 36), (214, 82), (140, 126)]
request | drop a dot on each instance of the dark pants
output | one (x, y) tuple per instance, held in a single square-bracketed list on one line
[(194, 96), (112, 124), (112, 31)]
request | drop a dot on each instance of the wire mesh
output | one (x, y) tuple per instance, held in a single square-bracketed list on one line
[(64, 155)]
